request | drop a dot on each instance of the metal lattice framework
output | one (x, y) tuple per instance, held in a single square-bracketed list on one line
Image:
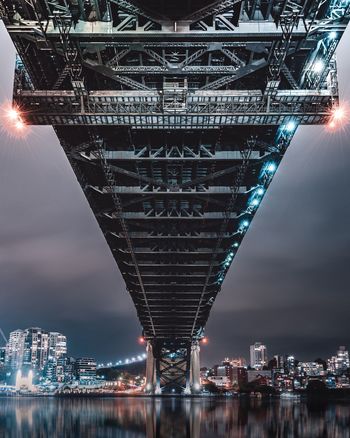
[(175, 121)]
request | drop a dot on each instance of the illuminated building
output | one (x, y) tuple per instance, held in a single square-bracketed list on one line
[(85, 369), (258, 356), (57, 345), (15, 349), (339, 363), (311, 369), (220, 381), (225, 369), (237, 362), (36, 347)]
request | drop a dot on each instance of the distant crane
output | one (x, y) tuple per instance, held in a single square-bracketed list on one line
[(3, 335)]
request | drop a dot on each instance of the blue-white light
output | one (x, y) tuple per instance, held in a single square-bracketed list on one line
[(271, 167), (255, 202), (260, 191), (236, 244), (333, 35), (245, 224), (318, 66), (290, 126)]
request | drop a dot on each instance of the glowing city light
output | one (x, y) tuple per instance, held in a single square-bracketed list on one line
[(245, 224), (260, 191), (204, 340), (141, 340), (333, 35), (236, 245), (255, 202), (318, 66)]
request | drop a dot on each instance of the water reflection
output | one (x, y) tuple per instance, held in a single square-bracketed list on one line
[(170, 418)]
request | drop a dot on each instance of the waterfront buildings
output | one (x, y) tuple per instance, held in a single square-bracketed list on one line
[(33, 348), (311, 369), (339, 363), (85, 370), (220, 381), (258, 356)]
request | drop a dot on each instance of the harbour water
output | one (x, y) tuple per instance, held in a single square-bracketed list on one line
[(171, 418)]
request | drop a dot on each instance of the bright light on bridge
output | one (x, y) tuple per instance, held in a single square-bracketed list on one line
[(339, 117), (318, 66), (12, 121), (291, 126), (134, 359), (271, 168)]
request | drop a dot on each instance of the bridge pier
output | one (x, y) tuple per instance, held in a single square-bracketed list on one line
[(172, 368), (195, 368), (150, 370)]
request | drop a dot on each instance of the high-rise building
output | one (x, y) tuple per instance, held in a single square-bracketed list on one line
[(15, 350), (85, 370), (57, 345), (339, 363), (36, 348), (258, 355)]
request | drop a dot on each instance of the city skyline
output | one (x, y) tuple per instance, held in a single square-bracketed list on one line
[(258, 355), (56, 266)]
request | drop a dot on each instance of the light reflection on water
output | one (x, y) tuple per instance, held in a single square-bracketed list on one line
[(170, 418)]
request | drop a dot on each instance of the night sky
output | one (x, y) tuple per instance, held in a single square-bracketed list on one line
[(288, 285)]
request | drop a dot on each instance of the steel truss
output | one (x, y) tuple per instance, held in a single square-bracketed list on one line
[(175, 126)]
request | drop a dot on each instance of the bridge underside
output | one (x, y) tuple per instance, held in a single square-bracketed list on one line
[(175, 120)]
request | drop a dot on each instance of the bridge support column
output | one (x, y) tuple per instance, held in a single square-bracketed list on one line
[(193, 384), (172, 368), (150, 370), (195, 368)]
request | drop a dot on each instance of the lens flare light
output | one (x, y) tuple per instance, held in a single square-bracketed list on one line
[(12, 121), (339, 117)]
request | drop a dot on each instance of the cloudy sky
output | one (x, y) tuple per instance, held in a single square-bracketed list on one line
[(289, 285)]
